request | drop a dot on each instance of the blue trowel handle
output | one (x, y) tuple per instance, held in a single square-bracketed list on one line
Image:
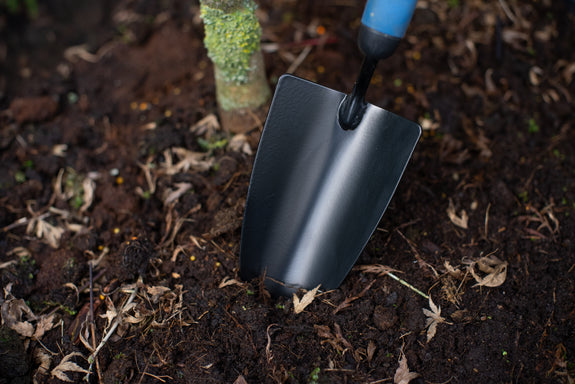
[(383, 24)]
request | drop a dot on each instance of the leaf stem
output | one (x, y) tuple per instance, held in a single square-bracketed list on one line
[(407, 285)]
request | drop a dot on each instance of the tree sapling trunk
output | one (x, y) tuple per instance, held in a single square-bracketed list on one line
[(232, 38)]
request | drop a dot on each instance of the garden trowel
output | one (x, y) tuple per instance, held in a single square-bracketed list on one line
[(325, 170)]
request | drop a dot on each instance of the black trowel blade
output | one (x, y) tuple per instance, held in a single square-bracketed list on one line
[(317, 192)]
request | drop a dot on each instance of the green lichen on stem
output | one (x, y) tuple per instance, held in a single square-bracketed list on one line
[(232, 37), (251, 94)]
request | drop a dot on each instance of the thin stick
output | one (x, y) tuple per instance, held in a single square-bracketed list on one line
[(91, 293), (487, 220), (507, 11), (407, 285), (91, 319), (115, 325), (302, 56)]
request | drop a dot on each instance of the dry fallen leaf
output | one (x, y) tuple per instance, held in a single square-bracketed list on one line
[(68, 366), (172, 195), (228, 281), (13, 312), (111, 312), (240, 380), (206, 126), (44, 360), (433, 319), (299, 305), (460, 221), (452, 271), (156, 292), (380, 269), (42, 229), (240, 143), (188, 160), (495, 269), (402, 374), (44, 324), (371, 348)]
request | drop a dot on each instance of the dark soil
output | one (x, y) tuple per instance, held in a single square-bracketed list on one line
[(493, 85)]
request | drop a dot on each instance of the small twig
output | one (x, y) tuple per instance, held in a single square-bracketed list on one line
[(91, 320), (269, 355), (21, 221), (91, 294), (96, 278), (487, 220), (115, 325), (158, 377), (407, 285), (507, 11), (297, 62), (381, 380)]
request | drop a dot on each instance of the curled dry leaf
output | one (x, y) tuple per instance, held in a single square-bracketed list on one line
[(433, 319), (371, 348), (88, 186), (197, 161), (68, 366), (335, 338), (172, 195), (17, 316), (460, 221), (240, 143), (156, 292), (307, 299), (402, 374), (495, 269), (44, 230), (228, 281), (206, 126), (44, 360), (111, 312), (452, 271), (44, 324)]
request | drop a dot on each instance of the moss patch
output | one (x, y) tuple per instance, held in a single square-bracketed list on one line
[(231, 39)]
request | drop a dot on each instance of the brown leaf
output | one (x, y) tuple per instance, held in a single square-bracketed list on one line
[(156, 292), (172, 195), (433, 319), (348, 300), (371, 347), (13, 313), (228, 281), (68, 366), (45, 323), (452, 271), (402, 374), (460, 221), (340, 337), (44, 360), (240, 380), (380, 269), (323, 331), (307, 299), (495, 269)]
